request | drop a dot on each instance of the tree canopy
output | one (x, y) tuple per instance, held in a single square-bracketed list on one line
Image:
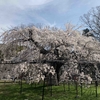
[(67, 48)]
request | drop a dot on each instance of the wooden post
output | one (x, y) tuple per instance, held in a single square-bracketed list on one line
[(81, 89), (96, 85), (68, 85), (43, 89), (21, 84), (64, 85), (50, 84), (76, 87)]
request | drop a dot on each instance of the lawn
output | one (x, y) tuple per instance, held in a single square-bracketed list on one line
[(11, 91)]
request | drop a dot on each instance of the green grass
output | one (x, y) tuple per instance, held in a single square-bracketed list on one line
[(10, 91)]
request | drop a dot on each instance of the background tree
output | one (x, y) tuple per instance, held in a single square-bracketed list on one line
[(92, 21)]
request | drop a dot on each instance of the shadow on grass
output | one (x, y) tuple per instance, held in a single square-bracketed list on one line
[(34, 92)]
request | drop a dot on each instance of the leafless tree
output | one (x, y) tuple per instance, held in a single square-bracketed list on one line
[(92, 20)]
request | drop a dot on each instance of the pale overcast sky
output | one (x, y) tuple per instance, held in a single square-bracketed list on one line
[(48, 12)]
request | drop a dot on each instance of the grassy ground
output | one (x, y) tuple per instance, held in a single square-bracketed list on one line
[(10, 91)]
